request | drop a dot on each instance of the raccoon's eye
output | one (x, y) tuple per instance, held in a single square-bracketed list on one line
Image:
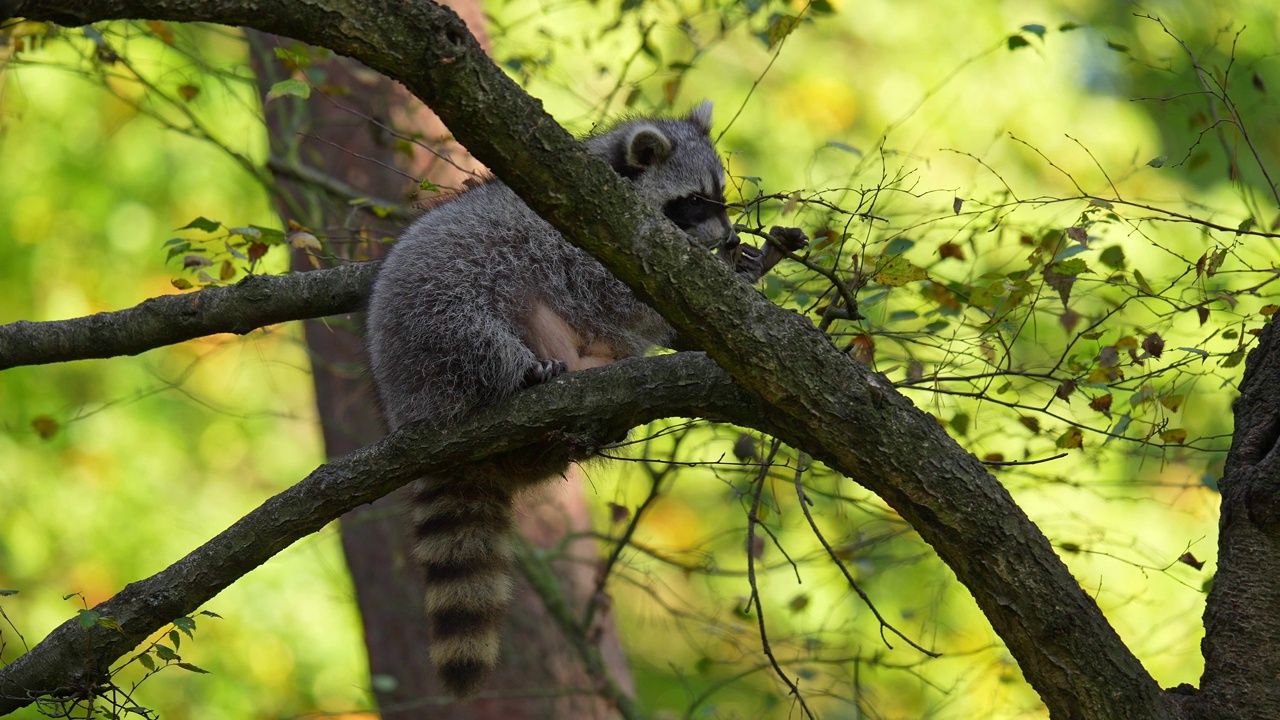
[(690, 210)]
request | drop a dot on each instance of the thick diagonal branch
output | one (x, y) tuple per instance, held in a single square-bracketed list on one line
[(578, 407), (254, 302)]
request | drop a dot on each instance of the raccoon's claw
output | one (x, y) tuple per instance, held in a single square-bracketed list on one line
[(542, 371), (748, 261), (791, 238)]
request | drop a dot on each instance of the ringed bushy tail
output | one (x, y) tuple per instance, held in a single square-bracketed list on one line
[(462, 528)]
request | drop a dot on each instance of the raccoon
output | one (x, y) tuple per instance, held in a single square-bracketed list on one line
[(481, 298)]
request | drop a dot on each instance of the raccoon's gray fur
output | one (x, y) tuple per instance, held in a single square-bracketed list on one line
[(481, 298)]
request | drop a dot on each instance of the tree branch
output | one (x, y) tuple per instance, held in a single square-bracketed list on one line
[(578, 407), (254, 302), (831, 407)]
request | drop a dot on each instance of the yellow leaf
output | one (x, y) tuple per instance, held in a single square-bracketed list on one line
[(1176, 435), (1071, 439), (896, 271)]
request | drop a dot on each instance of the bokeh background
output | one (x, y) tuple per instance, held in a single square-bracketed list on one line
[(112, 469)]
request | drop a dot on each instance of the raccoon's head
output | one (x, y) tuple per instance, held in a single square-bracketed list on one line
[(674, 166)]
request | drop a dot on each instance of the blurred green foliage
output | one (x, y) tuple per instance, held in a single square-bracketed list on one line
[(936, 152)]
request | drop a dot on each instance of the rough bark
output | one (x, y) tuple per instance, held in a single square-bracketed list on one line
[(822, 401), (1242, 614), (254, 302), (585, 407)]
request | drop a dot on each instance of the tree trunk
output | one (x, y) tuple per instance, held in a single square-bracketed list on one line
[(1242, 614), (539, 676)]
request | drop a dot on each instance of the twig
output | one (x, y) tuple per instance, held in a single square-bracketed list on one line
[(752, 520), (831, 552)]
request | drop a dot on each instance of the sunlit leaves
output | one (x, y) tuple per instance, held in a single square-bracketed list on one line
[(166, 653), (202, 223), (291, 86), (896, 270), (186, 625), (780, 26), (1072, 439)]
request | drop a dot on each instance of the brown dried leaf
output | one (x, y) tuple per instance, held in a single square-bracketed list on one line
[(1154, 345)]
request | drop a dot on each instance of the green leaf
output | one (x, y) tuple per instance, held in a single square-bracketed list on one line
[(845, 147), (428, 186), (1113, 257), (87, 618), (1013, 42), (177, 250), (896, 271), (297, 88), (268, 235), (186, 625), (175, 638), (780, 27), (898, 246), (110, 624), (1117, 47), (211, 613), (1068, 27), (166, 653), (147, 662), (1158, 162), (1072, 267), (249, 232), (6, 593), (193, 668), (1034, 29), (202, 223), (1143, 285)]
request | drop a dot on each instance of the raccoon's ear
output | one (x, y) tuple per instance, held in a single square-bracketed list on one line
[(700, 116), (647, 146)]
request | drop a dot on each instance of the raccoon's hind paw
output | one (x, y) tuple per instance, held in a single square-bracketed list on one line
[(542, 371)]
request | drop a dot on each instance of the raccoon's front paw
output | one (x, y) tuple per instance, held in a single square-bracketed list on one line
[(748, 261), (542, 371), (791, 238)]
